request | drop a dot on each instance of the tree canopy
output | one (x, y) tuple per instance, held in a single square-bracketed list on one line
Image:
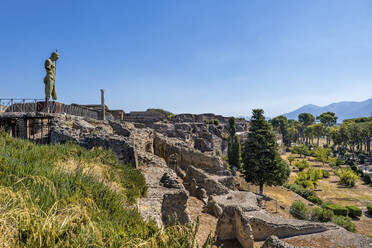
[(262, 162), (327, 118)]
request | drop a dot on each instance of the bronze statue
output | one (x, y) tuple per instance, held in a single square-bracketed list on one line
[(50, 78)]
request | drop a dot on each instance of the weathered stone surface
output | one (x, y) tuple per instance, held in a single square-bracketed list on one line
[(232, 226), (83, 125), (161, 203), (169, 182), (82, 131), (203, 179), (275, 242), (120, 128), (164, 147), (264, 225)]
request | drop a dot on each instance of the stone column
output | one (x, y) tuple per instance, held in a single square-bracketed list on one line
[(103, 104)]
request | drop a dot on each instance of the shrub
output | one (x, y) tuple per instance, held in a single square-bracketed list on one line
[(354, 211), (301, 150), (309, 178), (321, 154), (369, 209), (326, 174), (344, 222), (347, 177), (367, 179), (315, 200), (337, 209), (302, 164), (298, 189), (291, 159), (321, 214), (299, 210)]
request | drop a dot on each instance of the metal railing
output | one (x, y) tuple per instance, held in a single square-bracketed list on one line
[(18, 104), (38, 105)]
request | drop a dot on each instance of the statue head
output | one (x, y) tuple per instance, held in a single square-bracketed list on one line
[(54, 56)]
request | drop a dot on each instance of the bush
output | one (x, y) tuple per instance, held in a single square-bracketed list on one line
[(321, 214), (316, 200), (302, 164), (336, 209), (326, 174), (301, 150), (344, 222), (291, 159), (299, 210), (309, 178), (369, 209), (347, 177), (354, 211), (298, 189), (367, 179)]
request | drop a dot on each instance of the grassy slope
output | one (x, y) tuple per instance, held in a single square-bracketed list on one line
[(65, 196)]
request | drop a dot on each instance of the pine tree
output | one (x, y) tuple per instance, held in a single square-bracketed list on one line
[(262, 162), (234, 149)]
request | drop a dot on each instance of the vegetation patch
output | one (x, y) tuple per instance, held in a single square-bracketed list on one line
[(337, 209), (354, 211), (347, 177), (65, 196)]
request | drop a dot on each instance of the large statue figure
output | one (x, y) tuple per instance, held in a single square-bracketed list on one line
[(50, 78)]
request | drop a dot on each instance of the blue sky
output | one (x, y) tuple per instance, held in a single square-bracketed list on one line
[(190, 56)]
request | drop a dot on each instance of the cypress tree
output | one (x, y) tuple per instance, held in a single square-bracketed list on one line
[(261, 159), (234, 150)]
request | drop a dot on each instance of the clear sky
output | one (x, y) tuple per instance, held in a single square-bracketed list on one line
[(190, 56)]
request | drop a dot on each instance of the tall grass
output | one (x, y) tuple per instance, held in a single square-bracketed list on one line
[(65, 196)]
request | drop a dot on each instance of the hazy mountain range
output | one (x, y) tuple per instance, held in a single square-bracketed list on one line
[(343, 110)]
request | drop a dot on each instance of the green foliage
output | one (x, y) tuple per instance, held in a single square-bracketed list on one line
[(306, 118), (299, 210), (321, 154), (302, 164), (164, 114), (234, 148), (327, 118), (354, 211), (309, 178), (369, 209), (298, 189), (337, 209), (218, 153), (326, 174), (291, 159), (212, 122), (344, 222), (301, 150), (262, 162), (321, 214), (367, 179), (66, 196), (316, 200), (347, 177), (280, 123), (234, 152), (232, 127)]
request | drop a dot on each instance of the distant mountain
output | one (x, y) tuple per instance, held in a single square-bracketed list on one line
[(343, 110)]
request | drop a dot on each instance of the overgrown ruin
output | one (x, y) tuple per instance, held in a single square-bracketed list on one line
[(177, 168)]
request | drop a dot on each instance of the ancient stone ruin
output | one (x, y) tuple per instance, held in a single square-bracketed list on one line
[(178, 169)]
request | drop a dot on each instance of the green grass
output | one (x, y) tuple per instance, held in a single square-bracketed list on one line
[(65, 196)]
